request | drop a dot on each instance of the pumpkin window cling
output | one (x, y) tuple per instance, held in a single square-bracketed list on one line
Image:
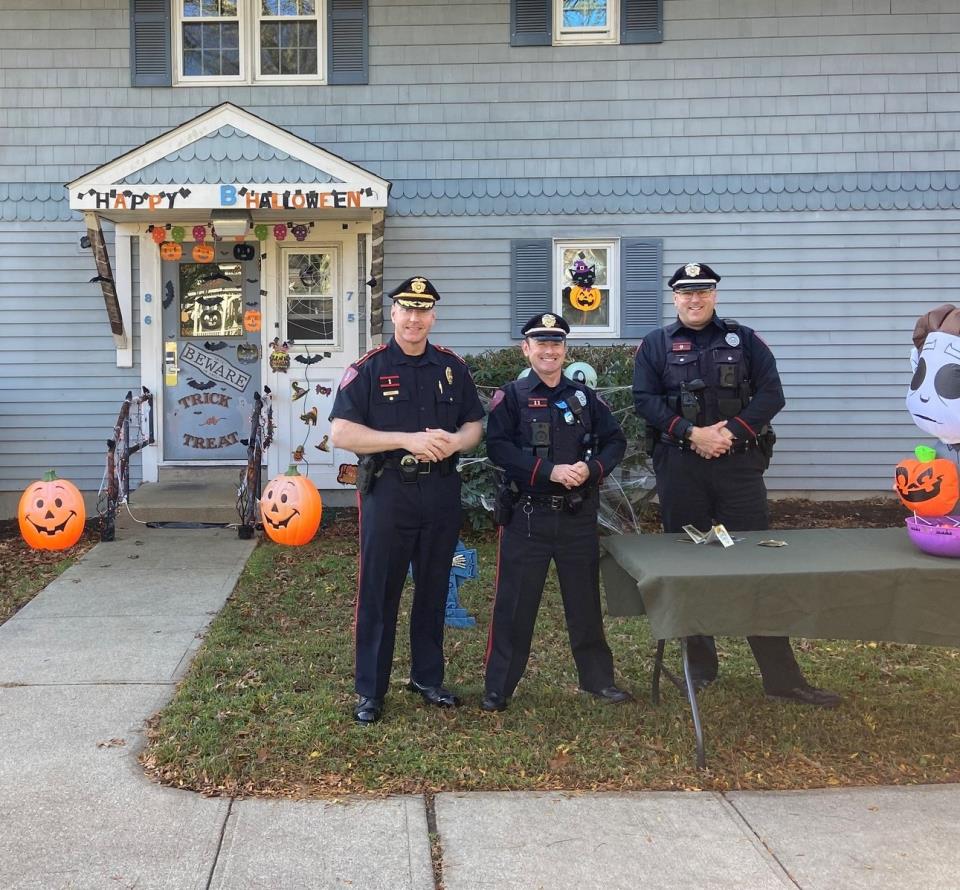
[(583, 296)]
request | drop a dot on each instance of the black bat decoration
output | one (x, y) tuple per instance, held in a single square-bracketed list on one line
[(215, 276), (101, 278), (167, 294), (253, 281), (251, 304), (198, 412), (209, 301), (309, 359), (196, 384), (213, 347)]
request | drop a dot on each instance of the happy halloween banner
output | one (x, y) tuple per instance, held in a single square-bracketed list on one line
[(250, 196)]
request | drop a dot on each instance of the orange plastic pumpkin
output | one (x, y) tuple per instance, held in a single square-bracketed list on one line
[(929, 485), (203, 252), (586, 299), (170, 250), (251, 320), (291, 509), (51, 513)]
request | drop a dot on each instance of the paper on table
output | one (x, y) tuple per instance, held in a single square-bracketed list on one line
[(717, 533)]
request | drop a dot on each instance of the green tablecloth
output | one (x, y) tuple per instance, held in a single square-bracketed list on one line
[(853, 584)]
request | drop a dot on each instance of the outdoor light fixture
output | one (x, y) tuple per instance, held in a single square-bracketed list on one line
[(231, 223)]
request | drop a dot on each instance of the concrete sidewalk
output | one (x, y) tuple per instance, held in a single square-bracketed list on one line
[(102, 648)]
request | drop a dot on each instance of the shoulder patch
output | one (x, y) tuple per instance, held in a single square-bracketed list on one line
[(498, 397), (446, 351), (368, 354), (348, 377)]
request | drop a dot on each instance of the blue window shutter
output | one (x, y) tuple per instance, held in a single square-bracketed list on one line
[(641, 21), (641, 286), (531, 22), (531, 281), (347, 41), (150, 43)]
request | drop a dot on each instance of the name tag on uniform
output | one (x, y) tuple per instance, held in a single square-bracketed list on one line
[(390, 385), (681, 346), (536, 403)]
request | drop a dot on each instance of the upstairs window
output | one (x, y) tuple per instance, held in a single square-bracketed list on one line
[(248, 41), (585, 21), (561, 22)]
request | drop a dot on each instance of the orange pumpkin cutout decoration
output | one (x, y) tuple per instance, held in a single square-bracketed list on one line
[(170, 250), (203, 252), (291, 509), (586, 299), (929, 485), (51, 513), (251, 321)]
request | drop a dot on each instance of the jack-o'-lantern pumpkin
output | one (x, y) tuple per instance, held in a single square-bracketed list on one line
[(203, 252), (243, 252), (211, 319), (251, 320), (586, 299), (170, 250), (51, 513), (291, 509), (929, 485)]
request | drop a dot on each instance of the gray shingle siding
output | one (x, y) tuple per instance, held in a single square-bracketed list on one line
[(809, 153)]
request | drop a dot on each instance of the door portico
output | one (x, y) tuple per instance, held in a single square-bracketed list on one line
[(290, 273)]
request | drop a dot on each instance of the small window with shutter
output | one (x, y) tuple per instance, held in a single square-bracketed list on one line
[(248, 42), (605, 288), (560, 22)]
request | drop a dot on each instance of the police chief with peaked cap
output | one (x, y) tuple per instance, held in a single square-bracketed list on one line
[(555, 440), (407, 409), (709, 388)]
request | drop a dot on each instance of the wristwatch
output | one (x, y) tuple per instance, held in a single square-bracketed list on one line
[(688, 433)]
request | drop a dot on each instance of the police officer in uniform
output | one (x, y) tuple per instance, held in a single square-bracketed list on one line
[(555, 441), (408, 409), (708, 388)]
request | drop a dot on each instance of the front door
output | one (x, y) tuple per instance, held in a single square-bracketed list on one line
[(212, 346)]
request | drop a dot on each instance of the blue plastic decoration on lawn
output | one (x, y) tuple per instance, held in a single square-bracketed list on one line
[(581, 372), (464, 568)]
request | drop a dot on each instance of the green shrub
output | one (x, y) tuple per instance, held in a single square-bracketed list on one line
[(624, 496)]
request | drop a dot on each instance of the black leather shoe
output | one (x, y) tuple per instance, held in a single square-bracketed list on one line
[(808, 695), (494, 701), (367, 709), (701, 683), (611, 695), (435, 695)]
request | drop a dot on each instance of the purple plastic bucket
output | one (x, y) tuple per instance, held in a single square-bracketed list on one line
[(937, 540)]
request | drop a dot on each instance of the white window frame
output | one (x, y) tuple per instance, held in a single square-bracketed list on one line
[(248, 14), (565, 36), (336, 344), (612, 245)]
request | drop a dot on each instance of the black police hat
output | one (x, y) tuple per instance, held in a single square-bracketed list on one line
[(546, 327), (694, 276), (415, 293)]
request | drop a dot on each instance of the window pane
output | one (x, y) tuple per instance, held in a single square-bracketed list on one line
[(231, 62), (269, 61), (228, 8), (191, 7), (288, 34), (596, 257), (210, 304), (308, 61), (191, 37), (269, 35), (210, 8), (310, 314), (584, 13), (230, 35), (192, 63)]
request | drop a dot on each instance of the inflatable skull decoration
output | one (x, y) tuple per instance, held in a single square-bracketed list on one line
[(933, 399)]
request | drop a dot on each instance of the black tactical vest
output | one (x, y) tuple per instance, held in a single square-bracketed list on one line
[(559, 435)]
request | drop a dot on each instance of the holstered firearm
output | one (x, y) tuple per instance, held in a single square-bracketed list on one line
[(369, 468), (506, 498), (690, 407), (765, 442)]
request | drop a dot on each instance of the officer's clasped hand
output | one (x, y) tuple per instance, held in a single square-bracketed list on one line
[(432, 445), (570, 475), (711, 441)]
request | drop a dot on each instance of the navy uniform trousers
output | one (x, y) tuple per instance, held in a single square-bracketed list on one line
[(727, 490), (527, 544), (401, 524)]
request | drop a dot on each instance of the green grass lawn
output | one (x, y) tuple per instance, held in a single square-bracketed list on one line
[(266, 708)]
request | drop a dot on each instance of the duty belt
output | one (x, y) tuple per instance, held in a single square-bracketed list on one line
[(738, 447), (407, 462), (554, 502)]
